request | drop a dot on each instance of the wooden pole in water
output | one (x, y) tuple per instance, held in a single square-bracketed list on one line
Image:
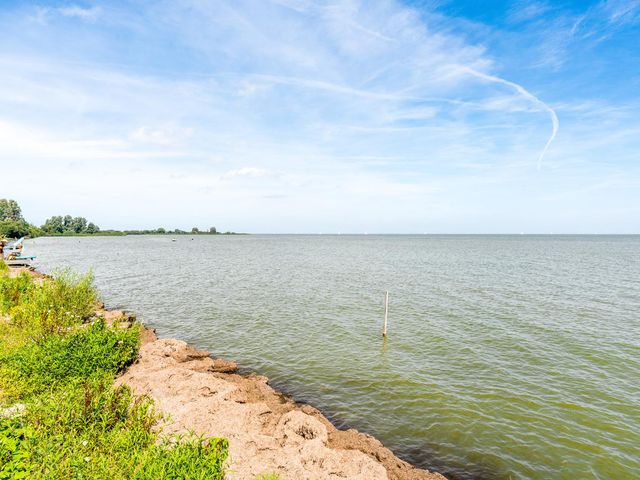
[(386, 313)]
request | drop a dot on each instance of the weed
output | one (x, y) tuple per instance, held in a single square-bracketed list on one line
[(91, 430), (14, 290), (268, 476), (58, 359), (56, 305)]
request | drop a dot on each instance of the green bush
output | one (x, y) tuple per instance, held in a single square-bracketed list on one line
[(12, 290), (55, 305), (59, 359), (90, 430), (3, 267), (17, 229)]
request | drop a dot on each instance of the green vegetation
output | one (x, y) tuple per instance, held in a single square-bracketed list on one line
[(268, 476), (53, 307), (59, 359), (60, 416), (177, 231), (13, 225), (68, 225)]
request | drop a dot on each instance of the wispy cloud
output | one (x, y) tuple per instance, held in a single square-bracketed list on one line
[(248, 172), (555, 124), (525, 11), (90, 14)]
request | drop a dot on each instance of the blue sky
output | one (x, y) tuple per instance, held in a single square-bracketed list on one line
[(313, 116)]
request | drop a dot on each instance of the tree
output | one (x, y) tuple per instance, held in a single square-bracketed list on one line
[(68, 225), (213, 230), (67, 222), (195, 230), (92, 228), (16, 229), (10, 210), (161, 230), (79, 224), (53, 225)]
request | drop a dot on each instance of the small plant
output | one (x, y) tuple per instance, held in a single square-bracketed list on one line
[(13, 290), (3, 267), (268, 476), (91, 430), (58, 359), (56, 305)]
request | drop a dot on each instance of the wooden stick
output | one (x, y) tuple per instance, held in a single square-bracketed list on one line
[(386, 313)]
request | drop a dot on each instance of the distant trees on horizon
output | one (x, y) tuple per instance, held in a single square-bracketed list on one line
[(177, 231), (13, 225), (59, 225)]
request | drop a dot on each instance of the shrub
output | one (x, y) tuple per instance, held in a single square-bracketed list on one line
[(3, 267), (58, 359), (91, 430), (12, 290), (56, 305)]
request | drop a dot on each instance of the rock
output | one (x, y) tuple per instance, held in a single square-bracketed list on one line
[(148, 335), (224, 366), (13, 410)]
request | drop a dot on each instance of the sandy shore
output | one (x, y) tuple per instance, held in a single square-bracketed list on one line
[(268, 432)]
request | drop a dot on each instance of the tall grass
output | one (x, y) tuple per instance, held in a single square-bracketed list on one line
[(60, 363), (12, 290), (56, 305), (59, 359)]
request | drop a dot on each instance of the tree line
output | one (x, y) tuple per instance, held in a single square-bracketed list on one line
[(59, 225), (13, 225)]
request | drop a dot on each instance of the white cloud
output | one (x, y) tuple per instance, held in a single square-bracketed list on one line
[(161, 135), (89, 14), (250, 172), (524, 11)]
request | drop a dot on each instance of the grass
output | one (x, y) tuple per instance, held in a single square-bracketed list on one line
[(12, 290), (55, 306), (59, 359), (59, 363), (92, 430)]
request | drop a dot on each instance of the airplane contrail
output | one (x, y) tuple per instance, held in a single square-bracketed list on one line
[(555, 124)]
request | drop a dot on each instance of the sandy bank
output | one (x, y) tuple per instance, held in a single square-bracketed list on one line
[(267, 431)]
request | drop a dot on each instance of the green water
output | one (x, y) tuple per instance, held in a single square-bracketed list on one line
[(507, 357)]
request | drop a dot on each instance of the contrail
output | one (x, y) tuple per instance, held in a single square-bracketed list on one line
[(526, 94)]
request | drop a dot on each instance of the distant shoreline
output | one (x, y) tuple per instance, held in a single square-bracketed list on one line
[(118, 233)]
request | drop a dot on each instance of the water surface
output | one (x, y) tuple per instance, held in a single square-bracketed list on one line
[(508, 357)]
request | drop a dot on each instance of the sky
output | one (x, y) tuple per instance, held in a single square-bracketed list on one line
[(310, 116)]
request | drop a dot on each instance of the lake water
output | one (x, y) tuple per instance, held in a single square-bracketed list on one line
[(508, 357)]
